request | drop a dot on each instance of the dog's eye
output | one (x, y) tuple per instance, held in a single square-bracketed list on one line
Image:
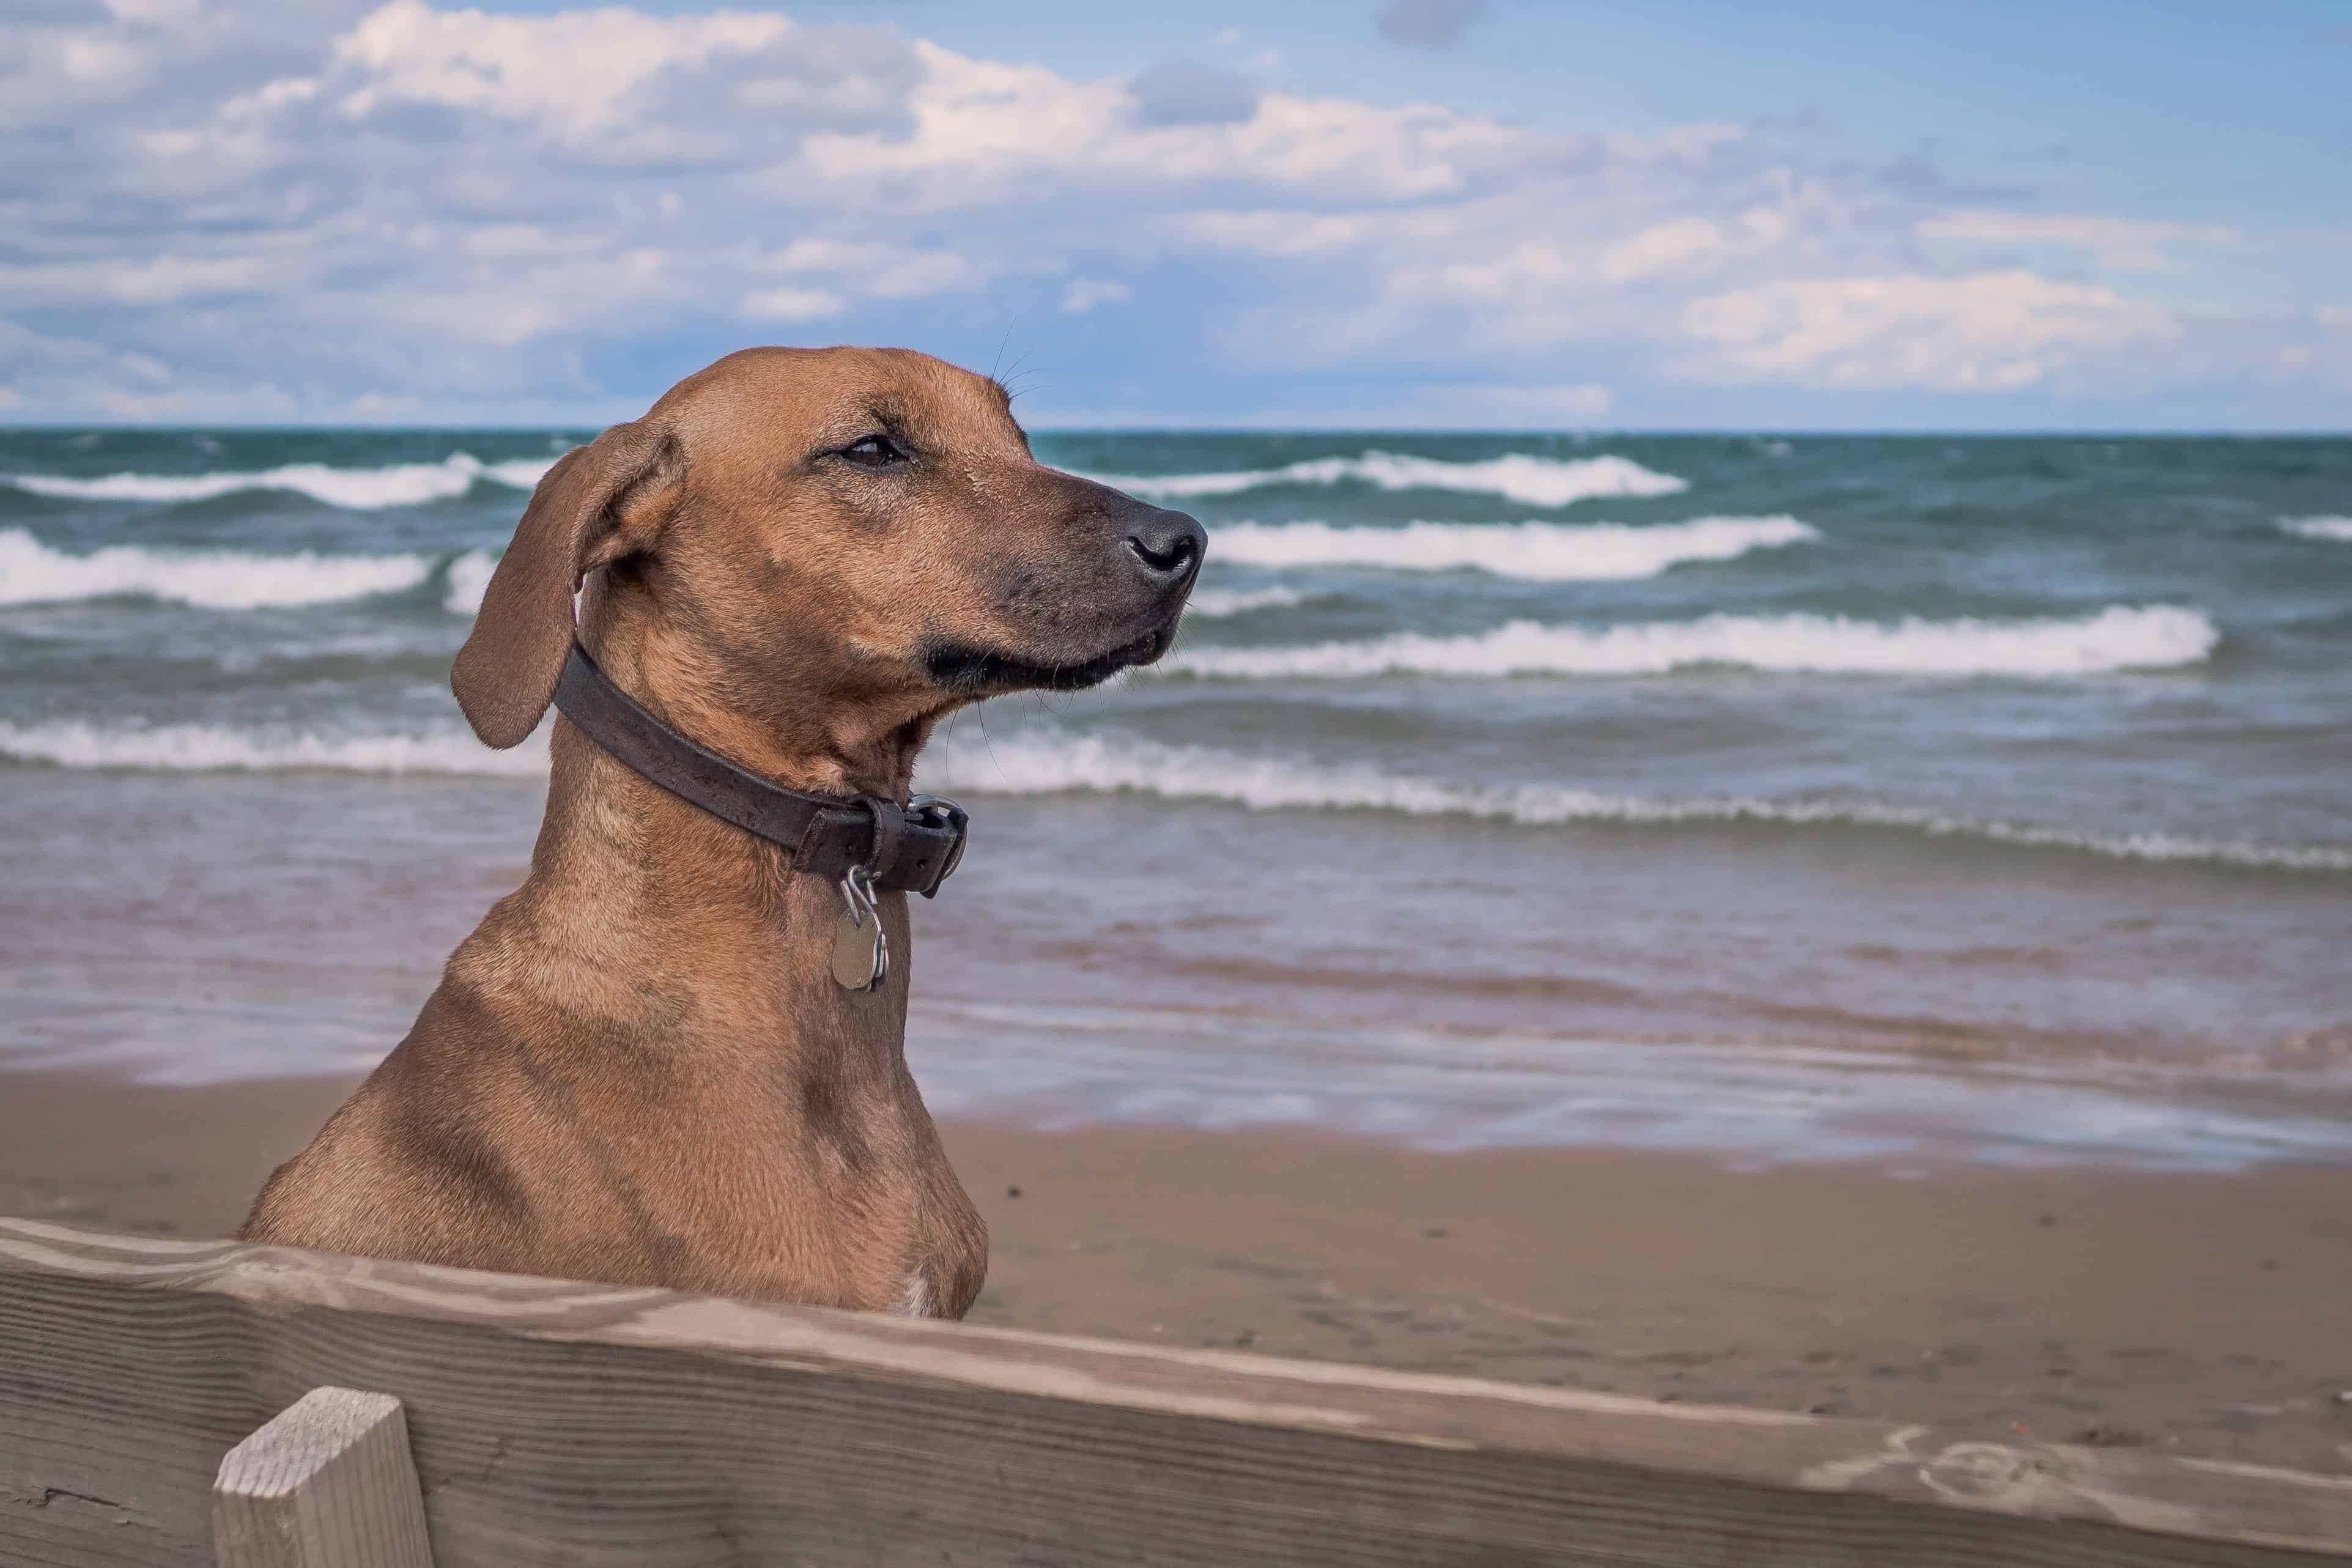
[(875, 452)]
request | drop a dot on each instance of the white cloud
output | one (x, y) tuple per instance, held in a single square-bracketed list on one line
[(983, 133), (155, 280), (793, 305), (2067, 228), (612, 77), (1984, 331), (575, 75), (1085, 293), (397, 207), (1503, 403), (2128, 245), (1694, 247), (385, 407), (880, 271)]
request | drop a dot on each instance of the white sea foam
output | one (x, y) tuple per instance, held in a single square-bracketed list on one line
[(401, 484), (211, 748), (1540, 552), (1044, 764), (2118, 637), (33, 574), (1529, 480), (2337, 529), (1215, 603), (470, 577)]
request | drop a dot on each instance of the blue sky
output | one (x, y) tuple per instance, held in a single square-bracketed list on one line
[(1343, 212)]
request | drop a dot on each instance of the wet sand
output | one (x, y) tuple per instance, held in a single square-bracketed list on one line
[(2209, 1314)]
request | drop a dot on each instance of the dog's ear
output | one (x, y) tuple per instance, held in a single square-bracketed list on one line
[(598, 503)]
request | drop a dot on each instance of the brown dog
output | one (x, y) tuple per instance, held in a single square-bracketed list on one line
[(640, 1067)]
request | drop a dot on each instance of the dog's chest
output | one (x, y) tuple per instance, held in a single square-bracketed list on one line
[(916, 1297)]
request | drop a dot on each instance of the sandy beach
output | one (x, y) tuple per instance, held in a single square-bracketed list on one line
[(2208, 1314)]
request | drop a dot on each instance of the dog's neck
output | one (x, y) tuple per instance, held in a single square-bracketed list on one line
[(802, 740), (646, 902)]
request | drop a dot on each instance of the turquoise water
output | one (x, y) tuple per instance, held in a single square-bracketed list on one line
[(1962, 759)]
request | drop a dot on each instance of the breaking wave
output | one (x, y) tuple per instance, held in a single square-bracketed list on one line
[(2116, 638), (212, 748), (358, 489), (2338, 529), (469, 578), (1043, 763), (1539, 552), (1529, 480), (1215, 603), (1038, 763), (33, 574)]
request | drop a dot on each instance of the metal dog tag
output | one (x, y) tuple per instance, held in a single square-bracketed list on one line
[(861, 953)]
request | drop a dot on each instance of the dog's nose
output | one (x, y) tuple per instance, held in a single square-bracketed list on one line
[(1167, 544)]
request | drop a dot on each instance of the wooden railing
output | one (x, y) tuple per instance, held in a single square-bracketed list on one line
[(567, 1423)]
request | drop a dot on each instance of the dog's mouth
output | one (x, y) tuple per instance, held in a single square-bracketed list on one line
[(980, 672)]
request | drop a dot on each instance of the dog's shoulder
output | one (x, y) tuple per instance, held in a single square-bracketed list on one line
[(409, 1166)]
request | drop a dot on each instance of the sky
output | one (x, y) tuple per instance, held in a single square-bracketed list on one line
[(1360, 214)]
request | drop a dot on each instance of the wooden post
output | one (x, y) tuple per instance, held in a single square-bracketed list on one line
[(328, 1484)]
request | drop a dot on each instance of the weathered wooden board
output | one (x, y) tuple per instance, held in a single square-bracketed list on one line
[(328, 1483), (571, 1424)]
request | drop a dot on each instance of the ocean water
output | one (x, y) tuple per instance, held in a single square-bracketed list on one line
[(1892, 798)]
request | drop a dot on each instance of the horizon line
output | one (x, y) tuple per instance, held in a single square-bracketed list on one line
[(2135, 432)]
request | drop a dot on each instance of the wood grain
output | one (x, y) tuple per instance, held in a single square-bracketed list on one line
[(328, 1483), (558, 1422)]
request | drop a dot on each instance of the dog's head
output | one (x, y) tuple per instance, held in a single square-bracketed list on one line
[(845, 527)]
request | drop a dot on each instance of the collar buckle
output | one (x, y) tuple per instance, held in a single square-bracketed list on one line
[(938, 812)]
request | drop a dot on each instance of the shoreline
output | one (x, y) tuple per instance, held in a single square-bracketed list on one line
[(1789, 999), (2208, 1314)]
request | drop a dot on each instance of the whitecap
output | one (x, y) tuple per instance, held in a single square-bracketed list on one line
[(361, 489), (2117, 638), (518, 473), (1216, 603), (212, 748), (1043, 763), (2337, 530), (1538, 552), (33, 574), (1529, 480), (1039, 762), (469, 578)]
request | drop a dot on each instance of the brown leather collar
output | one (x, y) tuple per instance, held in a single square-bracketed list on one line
[(913, 846)]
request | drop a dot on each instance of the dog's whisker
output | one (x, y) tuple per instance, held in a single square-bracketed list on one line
[(989, 741)]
